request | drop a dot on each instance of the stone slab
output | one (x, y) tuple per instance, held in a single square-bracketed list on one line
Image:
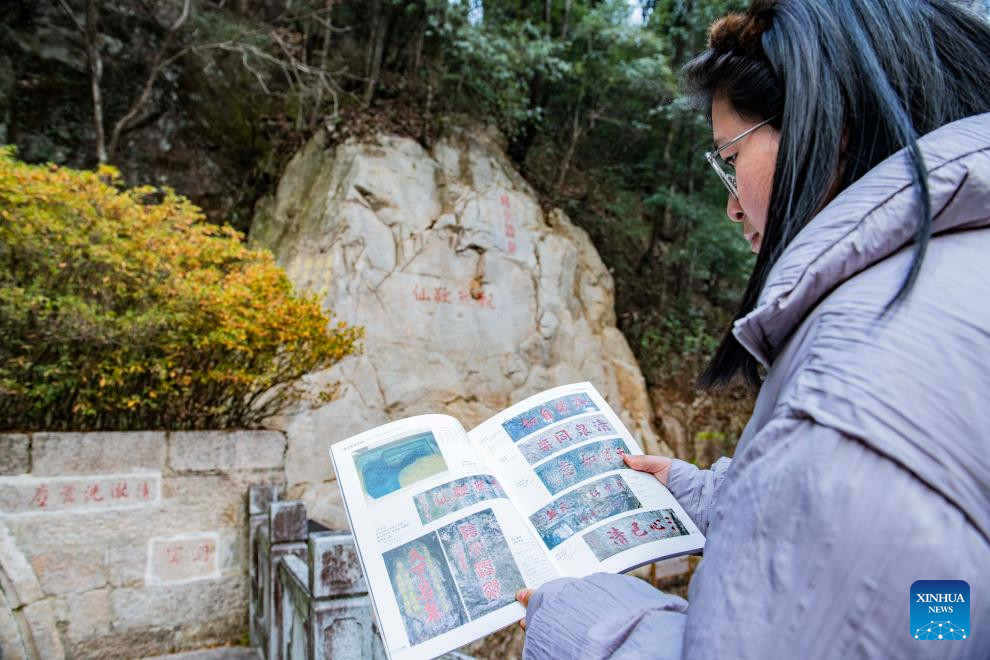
[(95, 453), (222, 653), (23, 586), (183, 558), (15, 453), (32, 495), (179, 606), (65, 569), (88, 615), (44, 635), (223, 450), (287, 522), (335, 569), (260, 496)]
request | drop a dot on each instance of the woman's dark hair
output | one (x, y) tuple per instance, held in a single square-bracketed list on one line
[(864, 78)]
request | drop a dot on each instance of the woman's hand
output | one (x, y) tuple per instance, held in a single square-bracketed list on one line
[(523, 596), (658, 466)]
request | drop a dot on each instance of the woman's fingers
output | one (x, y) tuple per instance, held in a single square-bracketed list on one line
[(658, 466), (651, 464), (523, 596)]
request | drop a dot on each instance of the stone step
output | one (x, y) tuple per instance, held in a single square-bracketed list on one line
[(222, 653)]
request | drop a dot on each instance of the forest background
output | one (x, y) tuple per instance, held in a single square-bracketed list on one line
[(211, 98)]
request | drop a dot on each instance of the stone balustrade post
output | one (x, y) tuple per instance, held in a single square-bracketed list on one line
[(283, 535), (341, 621)]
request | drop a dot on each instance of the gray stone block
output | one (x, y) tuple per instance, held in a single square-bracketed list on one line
[(41, 621), (343, 628), (260, 496), (223, 450), (15, 454), (287, 522), (335, 569), (97, 453), (223, 653), (179, 605), (70, 569), (11, 640), (88, 615)]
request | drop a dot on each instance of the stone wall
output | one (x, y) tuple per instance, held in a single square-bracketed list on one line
[(123, 545)]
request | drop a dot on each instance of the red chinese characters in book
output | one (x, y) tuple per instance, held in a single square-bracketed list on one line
[(424, 590)]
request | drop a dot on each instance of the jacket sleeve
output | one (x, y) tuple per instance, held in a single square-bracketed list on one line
[(697, 490), (814, 544)]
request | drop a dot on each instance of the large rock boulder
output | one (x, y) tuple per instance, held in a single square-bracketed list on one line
[(471, 296)]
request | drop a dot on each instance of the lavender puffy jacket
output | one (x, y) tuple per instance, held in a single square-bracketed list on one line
[(866, 464)]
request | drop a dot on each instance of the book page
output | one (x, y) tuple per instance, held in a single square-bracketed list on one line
[(558, 455), (443, 549)]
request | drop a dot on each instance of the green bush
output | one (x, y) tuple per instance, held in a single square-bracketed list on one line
[(122, 309)]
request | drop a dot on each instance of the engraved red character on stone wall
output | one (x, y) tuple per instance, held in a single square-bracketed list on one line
[(421, 294), (93, 493), (174, 554), (40, 499), (441, 294), (68, 494), (510, 227), (203, 553)]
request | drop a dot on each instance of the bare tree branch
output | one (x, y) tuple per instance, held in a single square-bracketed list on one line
[(156, 69)]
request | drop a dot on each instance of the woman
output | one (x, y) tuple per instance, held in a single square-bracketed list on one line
[(861, 156)]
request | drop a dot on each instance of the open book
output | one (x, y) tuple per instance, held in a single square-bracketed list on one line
[(449, 523)]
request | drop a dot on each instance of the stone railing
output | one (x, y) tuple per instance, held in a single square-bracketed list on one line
[(309, 597)]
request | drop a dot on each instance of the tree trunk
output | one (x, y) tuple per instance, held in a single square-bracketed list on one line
[(92, 39), (376, 47), (567, 16), (565, 164)]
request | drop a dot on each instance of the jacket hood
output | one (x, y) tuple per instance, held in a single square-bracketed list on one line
[(869, 221)]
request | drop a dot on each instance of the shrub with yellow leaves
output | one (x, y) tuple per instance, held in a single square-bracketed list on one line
[(123, 309)]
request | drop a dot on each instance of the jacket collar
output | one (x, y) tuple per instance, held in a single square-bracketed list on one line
[(869, 221)]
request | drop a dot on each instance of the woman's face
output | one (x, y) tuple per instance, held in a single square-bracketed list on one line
[(754, 158)]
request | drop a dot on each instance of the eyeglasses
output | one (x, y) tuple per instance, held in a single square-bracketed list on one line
[(714, 159)]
